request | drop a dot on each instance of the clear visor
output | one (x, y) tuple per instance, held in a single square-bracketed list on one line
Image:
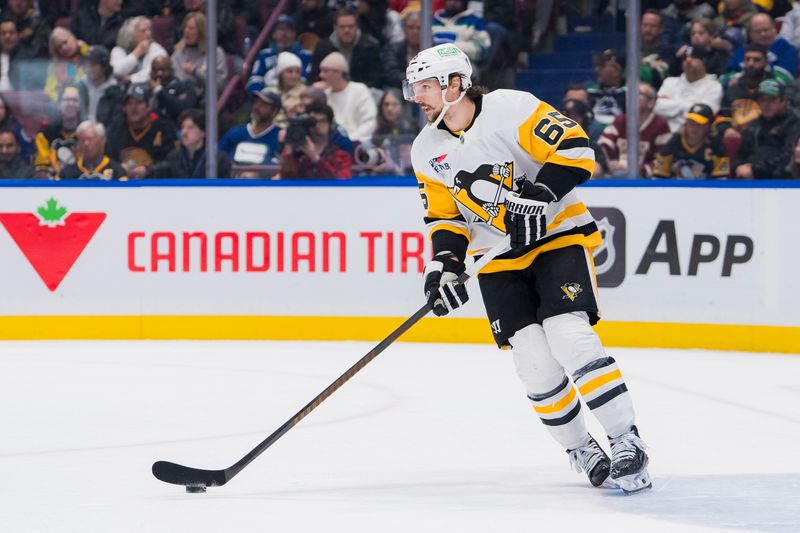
[(419, 88)]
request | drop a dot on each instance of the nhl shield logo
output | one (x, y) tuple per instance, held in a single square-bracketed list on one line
[(607, 231), (609, 257)]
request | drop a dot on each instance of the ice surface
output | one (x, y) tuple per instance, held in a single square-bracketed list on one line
[(426, 438)]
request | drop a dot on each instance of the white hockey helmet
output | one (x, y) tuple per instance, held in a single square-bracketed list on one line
[(438, 62)]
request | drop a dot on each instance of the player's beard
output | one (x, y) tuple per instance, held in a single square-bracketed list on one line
[(433, 118)]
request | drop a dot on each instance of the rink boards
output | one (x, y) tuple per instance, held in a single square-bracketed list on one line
[(706, 265)]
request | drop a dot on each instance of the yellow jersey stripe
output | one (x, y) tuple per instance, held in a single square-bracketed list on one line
[(568, 212), (500, 265)]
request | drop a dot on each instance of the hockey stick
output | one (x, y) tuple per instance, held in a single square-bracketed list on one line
[(197, 479)]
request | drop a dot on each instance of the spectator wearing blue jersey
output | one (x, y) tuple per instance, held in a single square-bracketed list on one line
[(607, 94), (460, 25), (761, 31), (264, 72), (256, 143)]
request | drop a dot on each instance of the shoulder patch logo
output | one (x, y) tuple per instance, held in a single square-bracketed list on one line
[(438, 163), (571, 291)]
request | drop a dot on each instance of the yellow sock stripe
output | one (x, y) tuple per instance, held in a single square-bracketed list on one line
[(558, 406), (599, 381)]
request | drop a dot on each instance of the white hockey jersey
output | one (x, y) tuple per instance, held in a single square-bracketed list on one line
[(464, 176)]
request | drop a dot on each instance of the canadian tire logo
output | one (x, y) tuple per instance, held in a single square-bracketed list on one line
[(52, 239)]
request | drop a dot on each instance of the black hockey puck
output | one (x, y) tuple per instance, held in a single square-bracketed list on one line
[(194, 489)]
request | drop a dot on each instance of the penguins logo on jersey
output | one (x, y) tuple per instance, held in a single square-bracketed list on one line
[(484, 190), (571, 291)]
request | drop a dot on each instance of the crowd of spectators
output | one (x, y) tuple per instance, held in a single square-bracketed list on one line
[(717, 98), (115, 89)]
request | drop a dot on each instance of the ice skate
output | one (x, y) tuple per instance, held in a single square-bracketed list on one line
[(629, 462), (591, 458)]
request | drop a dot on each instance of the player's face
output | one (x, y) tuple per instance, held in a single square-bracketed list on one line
[(428, 95)]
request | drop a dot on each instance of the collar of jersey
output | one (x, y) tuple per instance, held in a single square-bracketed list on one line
[(104, 161), (478, 107)]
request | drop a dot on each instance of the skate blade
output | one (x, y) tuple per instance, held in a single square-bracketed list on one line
[(608, 484), (634, 483)]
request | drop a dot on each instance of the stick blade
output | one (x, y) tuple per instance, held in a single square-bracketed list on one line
[(184, 475)]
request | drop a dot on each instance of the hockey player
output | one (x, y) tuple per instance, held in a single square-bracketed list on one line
[(506, 162)]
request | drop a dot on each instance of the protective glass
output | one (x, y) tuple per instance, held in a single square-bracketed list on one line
[(419, 88)]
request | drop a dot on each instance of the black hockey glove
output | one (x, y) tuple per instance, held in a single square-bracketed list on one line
[(526, 218), (441, 288)]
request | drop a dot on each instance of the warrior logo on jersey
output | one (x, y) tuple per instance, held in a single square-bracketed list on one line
[(571, 291), (438, 163), (484, 190)]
